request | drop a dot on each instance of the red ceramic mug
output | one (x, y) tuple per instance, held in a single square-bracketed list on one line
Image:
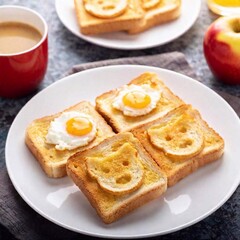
[(22, 72)]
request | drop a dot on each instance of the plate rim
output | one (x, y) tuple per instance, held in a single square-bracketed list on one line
[(91, 40), (39, 211)]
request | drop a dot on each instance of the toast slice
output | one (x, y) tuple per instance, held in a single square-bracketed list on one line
[(117, 176), (91, 24), (180, 142), (119, 121), (52, 160), (164, 11)]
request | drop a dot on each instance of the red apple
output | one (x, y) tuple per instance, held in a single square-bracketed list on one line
[(222, 49)]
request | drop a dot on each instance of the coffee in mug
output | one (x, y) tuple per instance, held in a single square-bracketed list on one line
[(17, 37), (23, 50)]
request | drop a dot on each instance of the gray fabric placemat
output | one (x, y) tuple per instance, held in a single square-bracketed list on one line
[(26, 224), (175, 61)]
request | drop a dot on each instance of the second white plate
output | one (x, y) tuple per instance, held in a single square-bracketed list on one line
[(153, 37)]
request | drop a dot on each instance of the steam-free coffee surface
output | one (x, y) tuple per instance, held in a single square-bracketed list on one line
[(17, 37)]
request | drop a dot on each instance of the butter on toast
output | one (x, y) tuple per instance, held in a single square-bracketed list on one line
[(163, 11), (180, 142), (52, 160), (119, 121), (117, 176), (91, 24)]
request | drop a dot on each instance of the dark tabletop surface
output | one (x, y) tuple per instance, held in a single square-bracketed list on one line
[(66, 50)]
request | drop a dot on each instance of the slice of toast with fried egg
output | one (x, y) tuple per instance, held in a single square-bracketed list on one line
[(143, 99), (53, 139)]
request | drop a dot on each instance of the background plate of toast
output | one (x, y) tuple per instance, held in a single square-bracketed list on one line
[(152, 37), (189, 201)]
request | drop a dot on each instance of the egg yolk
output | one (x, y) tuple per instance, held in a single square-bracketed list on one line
[(78, 126), (136, 99)]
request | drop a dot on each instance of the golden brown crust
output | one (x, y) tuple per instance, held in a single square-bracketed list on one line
[(53, 161), (108, 206), (55, 170), (121, 123), (177, 170), (165, 11), (134, 19), (94, 25)]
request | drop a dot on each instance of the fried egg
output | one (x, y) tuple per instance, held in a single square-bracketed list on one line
[(71, 130), (134, 100)]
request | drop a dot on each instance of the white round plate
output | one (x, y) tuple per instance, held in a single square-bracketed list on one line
[(121, 40), (189, 201)]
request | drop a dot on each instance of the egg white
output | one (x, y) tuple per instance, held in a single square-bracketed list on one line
[(58, 135), (134, 112)]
